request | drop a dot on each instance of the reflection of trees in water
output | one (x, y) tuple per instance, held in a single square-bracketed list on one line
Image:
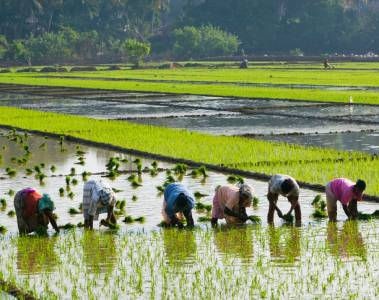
[(284, 243), (235, 241), (179, 245), (36, 254), (347, 241), (99, 250)]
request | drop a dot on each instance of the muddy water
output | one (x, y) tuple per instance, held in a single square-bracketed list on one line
[(142, 261), (366, 141), (149, 201), (257, 124)]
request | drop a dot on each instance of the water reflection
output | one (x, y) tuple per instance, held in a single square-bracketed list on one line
[(36, 255), (284, 244), (179, 246), (100, 251), (346, 242), (236, 242)]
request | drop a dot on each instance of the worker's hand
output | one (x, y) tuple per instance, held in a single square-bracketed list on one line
[(243, 217), (180, 225), (280, 214)]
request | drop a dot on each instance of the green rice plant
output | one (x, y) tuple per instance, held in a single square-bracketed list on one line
[(140, 219), (201, 206), (10, 172), (154, 165), (180, 169), (81, 161), (85, 175), (134, 198), (37, 169), (67, 226), (232, 179), (42, 146), (135, 183), (116, 190), (288, 218), (319, 206), (53, 168), (132, 177), (3, 229), (255, 202), (199, 195), (11, 213), (72, 171), (255, 219), (74, 181), (28, 171), (204, 219), (11, 192), (61, 191), (73, 211), (71, 195), (3, 204), (160, 189), (68, 180), (40, 177), (128, 220)]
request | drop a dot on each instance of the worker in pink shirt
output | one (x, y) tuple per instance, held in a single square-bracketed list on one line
[(230, 202), (348, 193)]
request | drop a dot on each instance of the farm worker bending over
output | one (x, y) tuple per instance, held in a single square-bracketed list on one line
[(348, 193), (33, 211), (178, 201), (286, 186), (230, 202), (98, 198)]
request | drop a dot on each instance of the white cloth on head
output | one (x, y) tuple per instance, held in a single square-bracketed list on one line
[(92, 205), (275, 185)]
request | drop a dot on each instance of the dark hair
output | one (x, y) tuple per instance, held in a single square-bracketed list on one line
[(360, 185), (287, 186), (181, 201)]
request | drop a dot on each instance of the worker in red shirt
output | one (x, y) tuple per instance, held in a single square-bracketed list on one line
[(34, 211)]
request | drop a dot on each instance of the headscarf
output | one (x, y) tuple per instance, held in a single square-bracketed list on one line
[(45, 203), (246, 191)]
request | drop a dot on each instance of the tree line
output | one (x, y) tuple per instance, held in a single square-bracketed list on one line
[(54, 31)]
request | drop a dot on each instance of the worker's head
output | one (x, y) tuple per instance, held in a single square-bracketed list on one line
[(287, 186), (359, 188), (181, 203), (246, 195), (45, 203)]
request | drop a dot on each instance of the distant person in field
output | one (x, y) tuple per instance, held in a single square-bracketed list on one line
[(34, 211), (230, 202), (98, 198), (287, 187), (327, 65), (348, 193), (178, 203)]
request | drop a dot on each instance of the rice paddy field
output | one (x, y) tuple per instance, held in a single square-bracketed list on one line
[(205, 125)]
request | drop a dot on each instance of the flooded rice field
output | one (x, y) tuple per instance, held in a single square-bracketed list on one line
[(216, 115), (356, 141), (142, 260)]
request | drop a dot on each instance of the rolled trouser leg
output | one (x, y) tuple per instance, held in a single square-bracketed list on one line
[(18, 206), (271, 211), (331, 204), (297, 214), (353, 208)]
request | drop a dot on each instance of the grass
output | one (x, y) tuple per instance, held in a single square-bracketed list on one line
[(309, 164), (305, 263), (227, 90)]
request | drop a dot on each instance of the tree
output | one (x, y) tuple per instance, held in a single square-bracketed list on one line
[(134, 50), (205, 41)]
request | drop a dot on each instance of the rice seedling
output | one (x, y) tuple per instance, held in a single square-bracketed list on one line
[(204, 219), (319, 206), (128, 220), (40, 177), (136, 184), (255, 219), (116, 190), (255, 202), (53, 168), (81, 161), (68, 180), (85, 175), (42, 146), (232, 179), (132, 177), (10, 192), (3, 229), (3, 204), (74, 181), (71, 195), (67, 226), (140, 219), (113, 167), (61, 191), (199, 195), (134, 198), (180, 169), (10, 172), (201, 206), (11, 213), (28, 171), (72, 171), (73, 211), (154, 165)]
